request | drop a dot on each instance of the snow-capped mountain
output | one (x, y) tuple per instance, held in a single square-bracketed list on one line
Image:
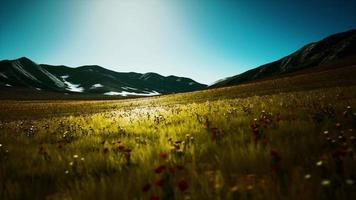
[(93, 79)]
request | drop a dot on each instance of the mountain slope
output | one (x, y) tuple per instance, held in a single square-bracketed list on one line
[(326, 51), (91, 79)]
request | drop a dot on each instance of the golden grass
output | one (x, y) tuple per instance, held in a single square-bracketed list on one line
[(202, 145)]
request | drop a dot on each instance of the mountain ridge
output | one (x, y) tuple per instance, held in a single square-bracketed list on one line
[(331, 48), (23, 72)]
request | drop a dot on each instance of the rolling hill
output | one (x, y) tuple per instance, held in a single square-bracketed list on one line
[(26, 74)]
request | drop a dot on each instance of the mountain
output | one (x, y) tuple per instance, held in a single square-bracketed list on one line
[(92, 79), (330, 49)]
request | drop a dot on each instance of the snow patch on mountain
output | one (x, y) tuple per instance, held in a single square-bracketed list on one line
[(129, 88), (97, 85), (125, 93), (70, 86)]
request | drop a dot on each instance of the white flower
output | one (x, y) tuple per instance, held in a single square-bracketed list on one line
[(319, 163), (325, 182), (75, 156), (71, 163), (307, 176), (349, 182)]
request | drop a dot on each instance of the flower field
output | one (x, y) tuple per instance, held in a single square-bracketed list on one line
[(279, 145)]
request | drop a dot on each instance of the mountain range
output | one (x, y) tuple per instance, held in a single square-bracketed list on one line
[(324, 52), (92, 79)]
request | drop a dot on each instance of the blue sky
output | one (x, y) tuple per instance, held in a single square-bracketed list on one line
[(201, 39)]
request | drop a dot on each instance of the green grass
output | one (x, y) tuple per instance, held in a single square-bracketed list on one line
[(244, 142)]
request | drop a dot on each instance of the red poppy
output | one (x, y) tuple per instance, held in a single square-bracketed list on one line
[(159, 183), (275, 156), (146, 187), (154, 197), (160, 169), (121, 147), (183, 185), (163, 155), (171, 170), (180, 167)]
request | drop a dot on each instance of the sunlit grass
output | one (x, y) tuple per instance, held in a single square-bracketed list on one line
[(295, 145)]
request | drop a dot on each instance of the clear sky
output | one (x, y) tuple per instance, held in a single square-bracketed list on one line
[(204, 40)]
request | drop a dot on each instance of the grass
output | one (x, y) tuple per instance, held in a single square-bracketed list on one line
[(256, 141)]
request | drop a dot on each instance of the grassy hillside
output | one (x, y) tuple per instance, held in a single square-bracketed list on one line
[(288, 138)]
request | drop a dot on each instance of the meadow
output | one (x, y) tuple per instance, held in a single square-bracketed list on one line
[(271, 140)]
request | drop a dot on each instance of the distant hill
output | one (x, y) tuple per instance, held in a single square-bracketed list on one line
[(93, 79), (327, 51)]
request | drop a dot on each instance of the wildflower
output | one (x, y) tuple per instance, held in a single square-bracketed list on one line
[(275, 156), (319, 163), (163, 155), (154, 197), (349, 181), (82, 159), (338, 125), (105, 150), (121, 147), (326, 132), (183, 185), (235, 189), (0, 145), (146, 187), (249, 187), (180, 167), (75, 156), (160, 169), (71, 163), (66, 172), (307, 176), (171, 170), (325, 182), (159, 183)]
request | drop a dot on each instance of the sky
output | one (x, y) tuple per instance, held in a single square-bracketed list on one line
[(205, 40)]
